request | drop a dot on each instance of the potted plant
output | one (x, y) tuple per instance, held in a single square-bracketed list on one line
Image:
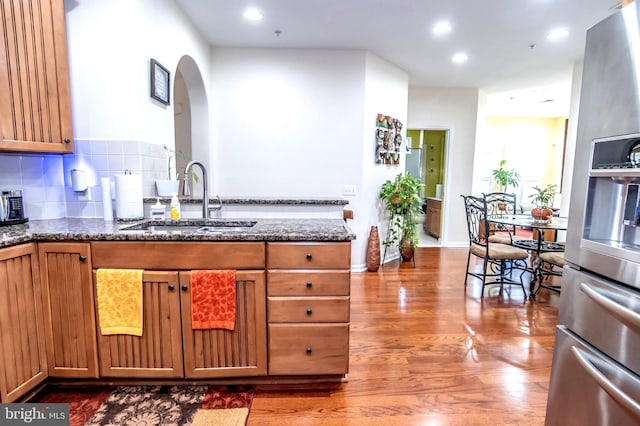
[(402, 200), (169, 187), (504, 177), (542, 199)]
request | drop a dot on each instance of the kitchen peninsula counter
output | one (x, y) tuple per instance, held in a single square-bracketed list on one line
[(79, 229)]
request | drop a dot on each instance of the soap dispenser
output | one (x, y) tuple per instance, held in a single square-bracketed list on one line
[(157, 210), (175, 208)]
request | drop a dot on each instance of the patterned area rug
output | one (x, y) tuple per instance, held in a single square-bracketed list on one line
[(155, 405)]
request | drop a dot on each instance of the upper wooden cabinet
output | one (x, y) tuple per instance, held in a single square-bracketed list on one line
[(35, 105)]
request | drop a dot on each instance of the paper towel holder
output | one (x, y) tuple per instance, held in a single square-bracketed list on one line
[(79, 180)]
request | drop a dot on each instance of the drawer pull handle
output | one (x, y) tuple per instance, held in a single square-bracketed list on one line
[(309, 256), (82, 258), (587, 362), (628, 316), (67, 140), (171, 287), (309, 311), (185, 287), (308, 350), (309, 284)]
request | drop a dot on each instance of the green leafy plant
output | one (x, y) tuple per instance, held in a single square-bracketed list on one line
[(542, 198), (505, 177), (402, 200), (174, 154)]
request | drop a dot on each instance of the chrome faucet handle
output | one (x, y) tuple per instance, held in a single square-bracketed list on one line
[(217, 205)]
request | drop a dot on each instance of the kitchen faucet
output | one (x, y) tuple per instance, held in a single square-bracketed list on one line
[(205, 193)]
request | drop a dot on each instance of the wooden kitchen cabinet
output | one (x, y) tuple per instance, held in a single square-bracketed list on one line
[(35, 106), (228, 353), (69, 309), (169, 347), (433, 217), (308, 308), (158, 352), (23, 363)]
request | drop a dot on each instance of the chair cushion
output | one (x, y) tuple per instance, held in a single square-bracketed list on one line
[(504, 238), (499, 251), (554, 257)]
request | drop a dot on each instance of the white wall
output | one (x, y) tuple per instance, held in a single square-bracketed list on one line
[(286, 122), (572, 132), (300, 123), (456, 110), (115, 121), (386, 92), (110, 45)]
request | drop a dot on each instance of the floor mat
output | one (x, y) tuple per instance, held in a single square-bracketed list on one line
[(154, 405)]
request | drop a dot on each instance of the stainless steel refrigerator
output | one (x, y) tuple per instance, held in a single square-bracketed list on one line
[(595, 375)]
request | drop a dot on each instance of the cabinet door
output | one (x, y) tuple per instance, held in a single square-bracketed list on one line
[(226, 353), (23, 363), (35, 106), (69, 309), (158, 352), (433, 220)]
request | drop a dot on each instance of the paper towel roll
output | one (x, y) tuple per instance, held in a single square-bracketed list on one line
[(78, 180), (107, 203), (129, 197)]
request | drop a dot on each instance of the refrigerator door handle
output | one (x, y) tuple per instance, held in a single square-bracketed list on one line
[(625, 314), (586, 361)]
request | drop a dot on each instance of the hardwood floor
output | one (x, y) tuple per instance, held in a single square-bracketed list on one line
[(425, 353)]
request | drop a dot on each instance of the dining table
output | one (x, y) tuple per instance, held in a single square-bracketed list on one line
[(537, 245)]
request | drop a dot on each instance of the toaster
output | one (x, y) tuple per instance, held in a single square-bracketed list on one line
[(11, 208)]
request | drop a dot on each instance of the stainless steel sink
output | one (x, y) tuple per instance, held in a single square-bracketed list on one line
[(193, 226)]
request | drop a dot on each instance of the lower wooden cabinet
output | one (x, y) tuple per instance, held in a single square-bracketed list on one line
[(297, 349), (158, 352), (69, 309), (308, 305), (170, 348), (432, 224), (23, 362)]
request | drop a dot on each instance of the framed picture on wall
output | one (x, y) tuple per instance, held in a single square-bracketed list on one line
[(159, 82)]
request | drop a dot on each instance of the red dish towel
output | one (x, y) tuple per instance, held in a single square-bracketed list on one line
[(213, 299)]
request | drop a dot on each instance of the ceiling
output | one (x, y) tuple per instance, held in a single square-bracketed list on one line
[(510, 58)]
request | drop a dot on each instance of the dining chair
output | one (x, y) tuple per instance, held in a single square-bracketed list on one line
[(499, 261), (501, 204), (550, 264)]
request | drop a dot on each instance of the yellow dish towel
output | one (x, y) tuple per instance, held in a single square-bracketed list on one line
[(120, 301)]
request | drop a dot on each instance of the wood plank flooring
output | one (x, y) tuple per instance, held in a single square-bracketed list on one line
[(424, 352)]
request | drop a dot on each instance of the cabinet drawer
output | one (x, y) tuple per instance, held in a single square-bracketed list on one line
[(163, 255), (308, 309), (309, 255), (309, 283), (308, 349)]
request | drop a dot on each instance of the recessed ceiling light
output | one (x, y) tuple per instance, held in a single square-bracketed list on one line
[(442, 27), (252, 14), (459, 58), (556, 34)]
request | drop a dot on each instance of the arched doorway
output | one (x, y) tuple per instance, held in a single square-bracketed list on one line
[(191, 119)]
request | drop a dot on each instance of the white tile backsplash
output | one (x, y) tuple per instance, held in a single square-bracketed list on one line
[(46, 183)]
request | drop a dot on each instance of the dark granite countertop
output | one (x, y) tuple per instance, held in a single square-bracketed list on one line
[(75, 229), (255, 201)]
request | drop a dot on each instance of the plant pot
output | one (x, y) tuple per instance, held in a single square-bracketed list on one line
[(406, 250), (542, 215), (167, 188)]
